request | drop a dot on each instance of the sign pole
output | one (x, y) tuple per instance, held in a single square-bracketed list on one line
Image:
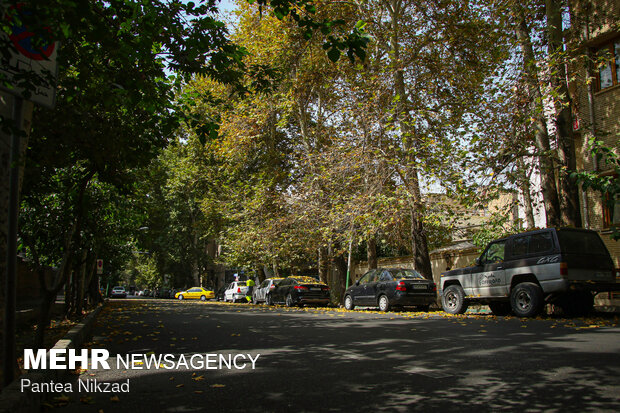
[(10, 356)]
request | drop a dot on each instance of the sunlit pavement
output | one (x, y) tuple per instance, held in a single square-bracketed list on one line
[(334, 360)]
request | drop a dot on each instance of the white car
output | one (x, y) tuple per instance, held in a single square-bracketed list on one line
[(261, 292), (118, 292), (236, 291)]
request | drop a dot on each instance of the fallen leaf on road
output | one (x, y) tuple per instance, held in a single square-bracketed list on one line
[(180, 385), (218, 385), (86, 400), (114, 399)]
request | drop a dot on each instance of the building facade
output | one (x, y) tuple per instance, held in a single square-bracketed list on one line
[(596, 107)]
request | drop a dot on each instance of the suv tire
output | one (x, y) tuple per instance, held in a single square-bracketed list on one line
[(453, 300), (526, 299)]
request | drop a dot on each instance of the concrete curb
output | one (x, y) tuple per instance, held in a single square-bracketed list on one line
[(12, 400)]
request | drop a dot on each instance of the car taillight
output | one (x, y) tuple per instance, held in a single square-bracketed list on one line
[(300, 287), (272, 287), (325, 288), (564, 269), (401, 286), (434, 287), (238, 289)]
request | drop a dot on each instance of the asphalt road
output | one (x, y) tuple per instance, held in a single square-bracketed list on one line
[(317, 360)]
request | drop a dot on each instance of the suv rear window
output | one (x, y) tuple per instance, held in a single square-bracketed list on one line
[(581, 242), (540, 243)]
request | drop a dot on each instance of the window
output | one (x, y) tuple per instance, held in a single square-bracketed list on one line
[(609, 73), (386, 276), (580, 242), (495, 253), (540, 243), (368, 277), (611, 211), (520, 245)]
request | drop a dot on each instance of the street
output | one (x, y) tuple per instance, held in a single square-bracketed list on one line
[(315, 360)]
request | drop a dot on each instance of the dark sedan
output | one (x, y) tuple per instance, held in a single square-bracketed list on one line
[(299, 291), (393, 287)]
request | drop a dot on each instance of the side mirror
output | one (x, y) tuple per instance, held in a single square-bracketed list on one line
[(478, 262), (357, 282)]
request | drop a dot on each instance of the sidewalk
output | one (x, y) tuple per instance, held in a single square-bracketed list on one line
[(12, 400)]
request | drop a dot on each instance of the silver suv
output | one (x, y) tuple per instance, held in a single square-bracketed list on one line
[(522, 272)]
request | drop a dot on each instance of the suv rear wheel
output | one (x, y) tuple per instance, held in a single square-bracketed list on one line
[(453, 300), (526, 299)]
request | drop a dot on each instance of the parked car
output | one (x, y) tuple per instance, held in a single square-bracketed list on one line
[(165, 293), (219, 295), (261, 293), (198, 293), (236, 291), (118, 292), (391, 287), (522, 272), (299, 291)]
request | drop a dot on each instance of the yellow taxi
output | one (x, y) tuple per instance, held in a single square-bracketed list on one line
[(197, 293)]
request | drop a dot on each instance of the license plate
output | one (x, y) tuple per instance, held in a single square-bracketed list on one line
[(419, 287), (315, 289)]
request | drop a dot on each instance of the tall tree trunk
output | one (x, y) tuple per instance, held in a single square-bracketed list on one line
[(569, 189), (541, 134), (79, 304), (339, 273), (323, 265), (526, 188), (260, 272), (6, 111), (419, 242), (65, 269), (371, 254)]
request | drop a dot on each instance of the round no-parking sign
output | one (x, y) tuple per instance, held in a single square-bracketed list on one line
[(34, 53), (30, 45)]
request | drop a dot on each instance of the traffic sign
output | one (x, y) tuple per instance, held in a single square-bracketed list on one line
[(30, 53), (99, 267)]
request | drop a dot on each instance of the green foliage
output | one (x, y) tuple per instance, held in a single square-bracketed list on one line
[(607, 185)]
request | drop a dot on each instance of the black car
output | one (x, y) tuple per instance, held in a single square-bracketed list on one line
[(219, 295), (393, 287), (299, 291)]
